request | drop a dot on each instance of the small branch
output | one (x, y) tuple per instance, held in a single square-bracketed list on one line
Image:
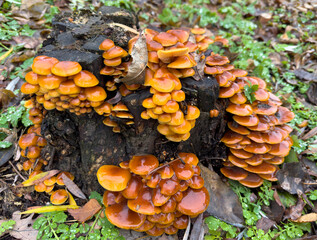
[(17, 171), (6, 131)]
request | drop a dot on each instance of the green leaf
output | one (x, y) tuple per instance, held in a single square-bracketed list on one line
[(59, 217), (5, 144), (96, 196), (249, 91), (39, 222)]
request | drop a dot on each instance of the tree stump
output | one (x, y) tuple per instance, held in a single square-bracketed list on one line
[(81, 144)]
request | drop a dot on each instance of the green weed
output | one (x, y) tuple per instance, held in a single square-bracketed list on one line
[(7, 225)]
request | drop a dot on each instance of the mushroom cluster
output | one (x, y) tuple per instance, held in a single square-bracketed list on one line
[(146, 197), (258, 136), (117, 112), (63, 85)]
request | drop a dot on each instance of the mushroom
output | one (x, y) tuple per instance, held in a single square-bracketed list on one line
[(113, 178), (59, 196)]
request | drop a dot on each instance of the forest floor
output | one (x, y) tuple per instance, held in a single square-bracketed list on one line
[(273, 40)]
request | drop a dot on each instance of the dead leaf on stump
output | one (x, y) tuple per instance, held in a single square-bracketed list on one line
[(294, 212), (136, 70), (86, 212)]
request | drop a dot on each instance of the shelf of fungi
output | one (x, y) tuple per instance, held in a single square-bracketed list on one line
[(143, 194)]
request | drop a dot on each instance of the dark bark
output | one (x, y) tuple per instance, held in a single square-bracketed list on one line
[(83, 143)]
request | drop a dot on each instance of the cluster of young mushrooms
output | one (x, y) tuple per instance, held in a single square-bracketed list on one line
[(141, 194)]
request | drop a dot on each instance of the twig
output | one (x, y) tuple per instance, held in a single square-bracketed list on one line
[(5, 130), (17, 171), (125, 27), (6, 54), (162, 166)]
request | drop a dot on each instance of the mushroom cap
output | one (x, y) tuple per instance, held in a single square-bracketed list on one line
[(255, 160), (238, 98), (237, 161), (181, 222), (113, 178), (239, 72), (50, 81), (110, 198), (27, 140), (155, 231), (95, 94), (252, 181), (158, 198), (227, 92), (85, 79), (68, 87), (247, 121), (196, 182), (106, 44), (195, 201), (163, 84), (178, 137), (234, 173), (231, 137), (169, 186), (182, 171), (281, 149), (42, 65), (154, 180), (270, 177), (261, 95), (284, 115), (183, 128), (240, 109), (170, 230), (263, 168), (169, 206), (192, 112), (143, 165), (107, 70), (161, 98), (166, 39), (153, 45), (275, 160), (148, 103), (176, 52), (120, 107), (66, 68), (59, 197), (216, 59), (224, 78), (258, 148), (234, 126), (105, 107), (264, 108), (189, 158), (171, 107), (240, 153), (164, 129), (133, 188), (121, 216), (147, 225), (256, 137), (28, 88), (177, 118), (181, 62), (32, 78), (166, 172), (182, 35), (114, 52), (143, 203), (33, 152)]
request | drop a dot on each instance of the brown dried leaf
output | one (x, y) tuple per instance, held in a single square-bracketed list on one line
[(265, 224), (115, 99), (136, 71), (7, 153), (72, 187), (23, 227), (310, 134), (87, 211), (277, 199), (310, 217), (5, 97), (197, 228), (312, 93), (294, 212), (200, 67)]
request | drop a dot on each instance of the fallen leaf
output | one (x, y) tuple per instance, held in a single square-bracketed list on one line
[(304, 75), (200, 67), (291, 178), (310, 217), (224, 203), (44, 209), (265, 224), (72, 187), (312, 93), (136, 70), (277, 199), (71, 199), (7, 153), (294, 212), (23, 227), (186, 235), (310, 134), (39, 178), (115, 99), (86, 212)]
